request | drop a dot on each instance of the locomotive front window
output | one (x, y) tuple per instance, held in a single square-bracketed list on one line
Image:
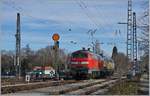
[(79, 55)]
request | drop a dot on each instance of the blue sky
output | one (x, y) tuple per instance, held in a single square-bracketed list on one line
[(40, 19)]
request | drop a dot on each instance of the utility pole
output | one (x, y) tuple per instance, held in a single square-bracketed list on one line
[(129, 31), (129, 48), (18, 39), (135, 66)]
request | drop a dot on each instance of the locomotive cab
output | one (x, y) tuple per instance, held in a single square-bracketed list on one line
[(85, 64), (79, 64)]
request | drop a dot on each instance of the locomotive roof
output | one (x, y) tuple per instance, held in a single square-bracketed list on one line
[(83, 51), (89, 52)]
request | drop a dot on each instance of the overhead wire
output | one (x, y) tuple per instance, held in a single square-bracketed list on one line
[(92, 17), (68, 20), (115, 33), (70, 26), (83, 6), (105, 20), (98, 14), (22, 11), (12, 4), (86, 13), (86, 7)]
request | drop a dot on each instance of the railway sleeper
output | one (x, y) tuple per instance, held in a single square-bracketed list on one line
[(143, 91), (75, 87), (146, 85), (29, 86), (100, 92), (90, 89), (103, 91)]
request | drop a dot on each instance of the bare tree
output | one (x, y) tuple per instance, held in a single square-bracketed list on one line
[(120, 59), (43, 57), (26, 59), (143, 24), (29, 58), (121, 67), (7, 62)]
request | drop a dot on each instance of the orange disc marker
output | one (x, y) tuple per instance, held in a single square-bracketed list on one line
[(55, 37)]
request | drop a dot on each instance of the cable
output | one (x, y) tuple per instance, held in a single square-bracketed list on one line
[(13, 5), (88, 11), (86, 7)]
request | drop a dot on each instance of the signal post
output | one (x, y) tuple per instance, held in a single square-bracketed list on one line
[(56, 37)]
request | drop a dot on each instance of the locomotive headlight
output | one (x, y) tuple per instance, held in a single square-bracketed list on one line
[(84, 62)]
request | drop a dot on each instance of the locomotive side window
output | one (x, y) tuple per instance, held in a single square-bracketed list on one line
[(79, 55)]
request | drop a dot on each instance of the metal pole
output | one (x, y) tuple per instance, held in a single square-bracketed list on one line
[(129, 30), (129, 33), (134, 43), (18, 39), (56, 58)]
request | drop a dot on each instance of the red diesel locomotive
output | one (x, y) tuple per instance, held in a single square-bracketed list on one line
[(86, 64)]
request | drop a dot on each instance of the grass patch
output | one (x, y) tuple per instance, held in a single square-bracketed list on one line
[(124, 88)]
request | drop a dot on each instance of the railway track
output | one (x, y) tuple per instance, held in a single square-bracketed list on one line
[(97, 89), (85, 87), (144, 85), (34, 85)]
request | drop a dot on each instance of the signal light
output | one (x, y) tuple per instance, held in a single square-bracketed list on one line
[(57, 44)]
